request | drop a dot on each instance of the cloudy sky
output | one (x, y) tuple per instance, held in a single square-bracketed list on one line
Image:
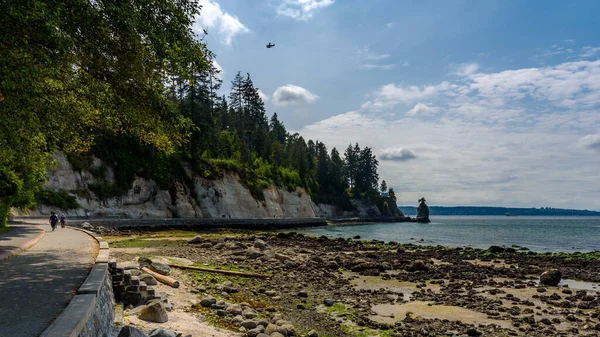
[(464, 102)]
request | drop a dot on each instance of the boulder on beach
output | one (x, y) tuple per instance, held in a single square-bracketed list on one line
[(154, 312), (196, 239), (551, 277), (496, 249), (160, 268), (129, 331)]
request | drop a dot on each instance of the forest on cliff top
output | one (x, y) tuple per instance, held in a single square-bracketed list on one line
[(132, 84)]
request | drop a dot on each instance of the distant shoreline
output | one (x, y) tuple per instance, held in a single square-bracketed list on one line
[(498, 211)]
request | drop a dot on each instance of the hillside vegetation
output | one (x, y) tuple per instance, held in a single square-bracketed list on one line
[(130, 83)]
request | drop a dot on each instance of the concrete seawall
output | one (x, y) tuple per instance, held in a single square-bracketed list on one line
[(91, 311), (204, 223)]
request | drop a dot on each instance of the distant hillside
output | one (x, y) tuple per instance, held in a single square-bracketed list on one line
[(477, 210)]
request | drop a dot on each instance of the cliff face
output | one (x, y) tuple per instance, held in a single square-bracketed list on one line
[(225, 197)]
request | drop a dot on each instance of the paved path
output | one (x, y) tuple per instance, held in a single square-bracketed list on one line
[(38, 283)]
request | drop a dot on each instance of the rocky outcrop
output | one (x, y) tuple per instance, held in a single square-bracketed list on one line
[(198, 197), (551, 277), (422, 212), (203, 198)]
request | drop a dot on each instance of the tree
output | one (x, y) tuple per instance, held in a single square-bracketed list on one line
[(351, 160), (383, 187), (323, 177), (392, 195), (73, 70)]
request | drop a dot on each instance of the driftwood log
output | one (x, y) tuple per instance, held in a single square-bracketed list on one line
[(220, 271), (162, 278)]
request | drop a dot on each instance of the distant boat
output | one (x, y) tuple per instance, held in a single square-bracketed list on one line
[(507, 214)]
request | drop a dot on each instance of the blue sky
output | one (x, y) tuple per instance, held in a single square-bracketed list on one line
[(465, 102)]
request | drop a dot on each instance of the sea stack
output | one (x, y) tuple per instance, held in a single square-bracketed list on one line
[(422, 212)]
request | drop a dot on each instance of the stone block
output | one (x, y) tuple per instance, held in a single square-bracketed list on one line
[(135, 281), (103, 256), (131, 288), (143, 286), (95, 280)]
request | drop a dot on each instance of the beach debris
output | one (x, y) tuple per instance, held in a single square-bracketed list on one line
[(551, 277), (162, 278), (221, 271)]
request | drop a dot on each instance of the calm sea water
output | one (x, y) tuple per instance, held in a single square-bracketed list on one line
[(540, 234)]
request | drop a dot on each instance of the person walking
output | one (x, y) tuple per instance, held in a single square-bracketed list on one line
[(63, 220), (53, 220)]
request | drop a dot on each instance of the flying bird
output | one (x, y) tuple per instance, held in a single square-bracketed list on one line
[(270, 45)]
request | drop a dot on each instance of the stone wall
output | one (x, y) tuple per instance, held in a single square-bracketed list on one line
[(91, 312)]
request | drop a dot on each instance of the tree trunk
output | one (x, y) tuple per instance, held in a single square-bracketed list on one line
[(4, 212)]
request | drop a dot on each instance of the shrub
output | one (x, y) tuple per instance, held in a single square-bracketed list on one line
[(58, 199)]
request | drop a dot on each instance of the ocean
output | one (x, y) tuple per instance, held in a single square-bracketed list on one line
[(539, 234)]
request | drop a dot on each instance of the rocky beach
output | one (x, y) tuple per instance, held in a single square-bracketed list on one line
[(318, 286)]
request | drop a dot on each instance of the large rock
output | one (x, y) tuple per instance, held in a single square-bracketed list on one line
[(129, 331), (160, 268), (154, 312), (550, 277), (148, 279), (158, 332), (422, 211), (196, 239)]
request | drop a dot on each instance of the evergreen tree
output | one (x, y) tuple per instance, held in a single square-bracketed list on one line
[(323, 177), (383, 187), (351, 160)]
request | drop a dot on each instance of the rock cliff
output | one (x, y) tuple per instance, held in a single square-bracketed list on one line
[(202, 198)]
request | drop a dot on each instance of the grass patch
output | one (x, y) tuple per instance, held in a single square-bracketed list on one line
[(141, 243), (338, 308), (353, 331)]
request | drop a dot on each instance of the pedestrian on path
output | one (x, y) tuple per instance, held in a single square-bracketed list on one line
[(53, 220), (63, 220)]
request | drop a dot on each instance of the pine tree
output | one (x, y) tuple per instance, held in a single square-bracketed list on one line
[(383, 187)]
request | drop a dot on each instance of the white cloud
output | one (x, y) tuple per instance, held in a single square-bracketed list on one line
[(589, 51), (293, 94), (263, 96), (366, 54), (389, 25), (397, 154), (219, 68), (421, 109), (465, 69), (391, 94), (378, 66), (369, 59), (212, 16), (302, 9), (591, 142), (510, 138)]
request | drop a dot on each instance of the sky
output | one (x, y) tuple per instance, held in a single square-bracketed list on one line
[(491, 103)]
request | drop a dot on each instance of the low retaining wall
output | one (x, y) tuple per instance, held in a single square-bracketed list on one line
[(204, 223), (91, 312)]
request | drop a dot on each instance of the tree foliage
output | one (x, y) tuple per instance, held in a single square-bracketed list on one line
[(73, 70), (128, 82)]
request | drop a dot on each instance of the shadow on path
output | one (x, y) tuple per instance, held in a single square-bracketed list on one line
[(37, 285)]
